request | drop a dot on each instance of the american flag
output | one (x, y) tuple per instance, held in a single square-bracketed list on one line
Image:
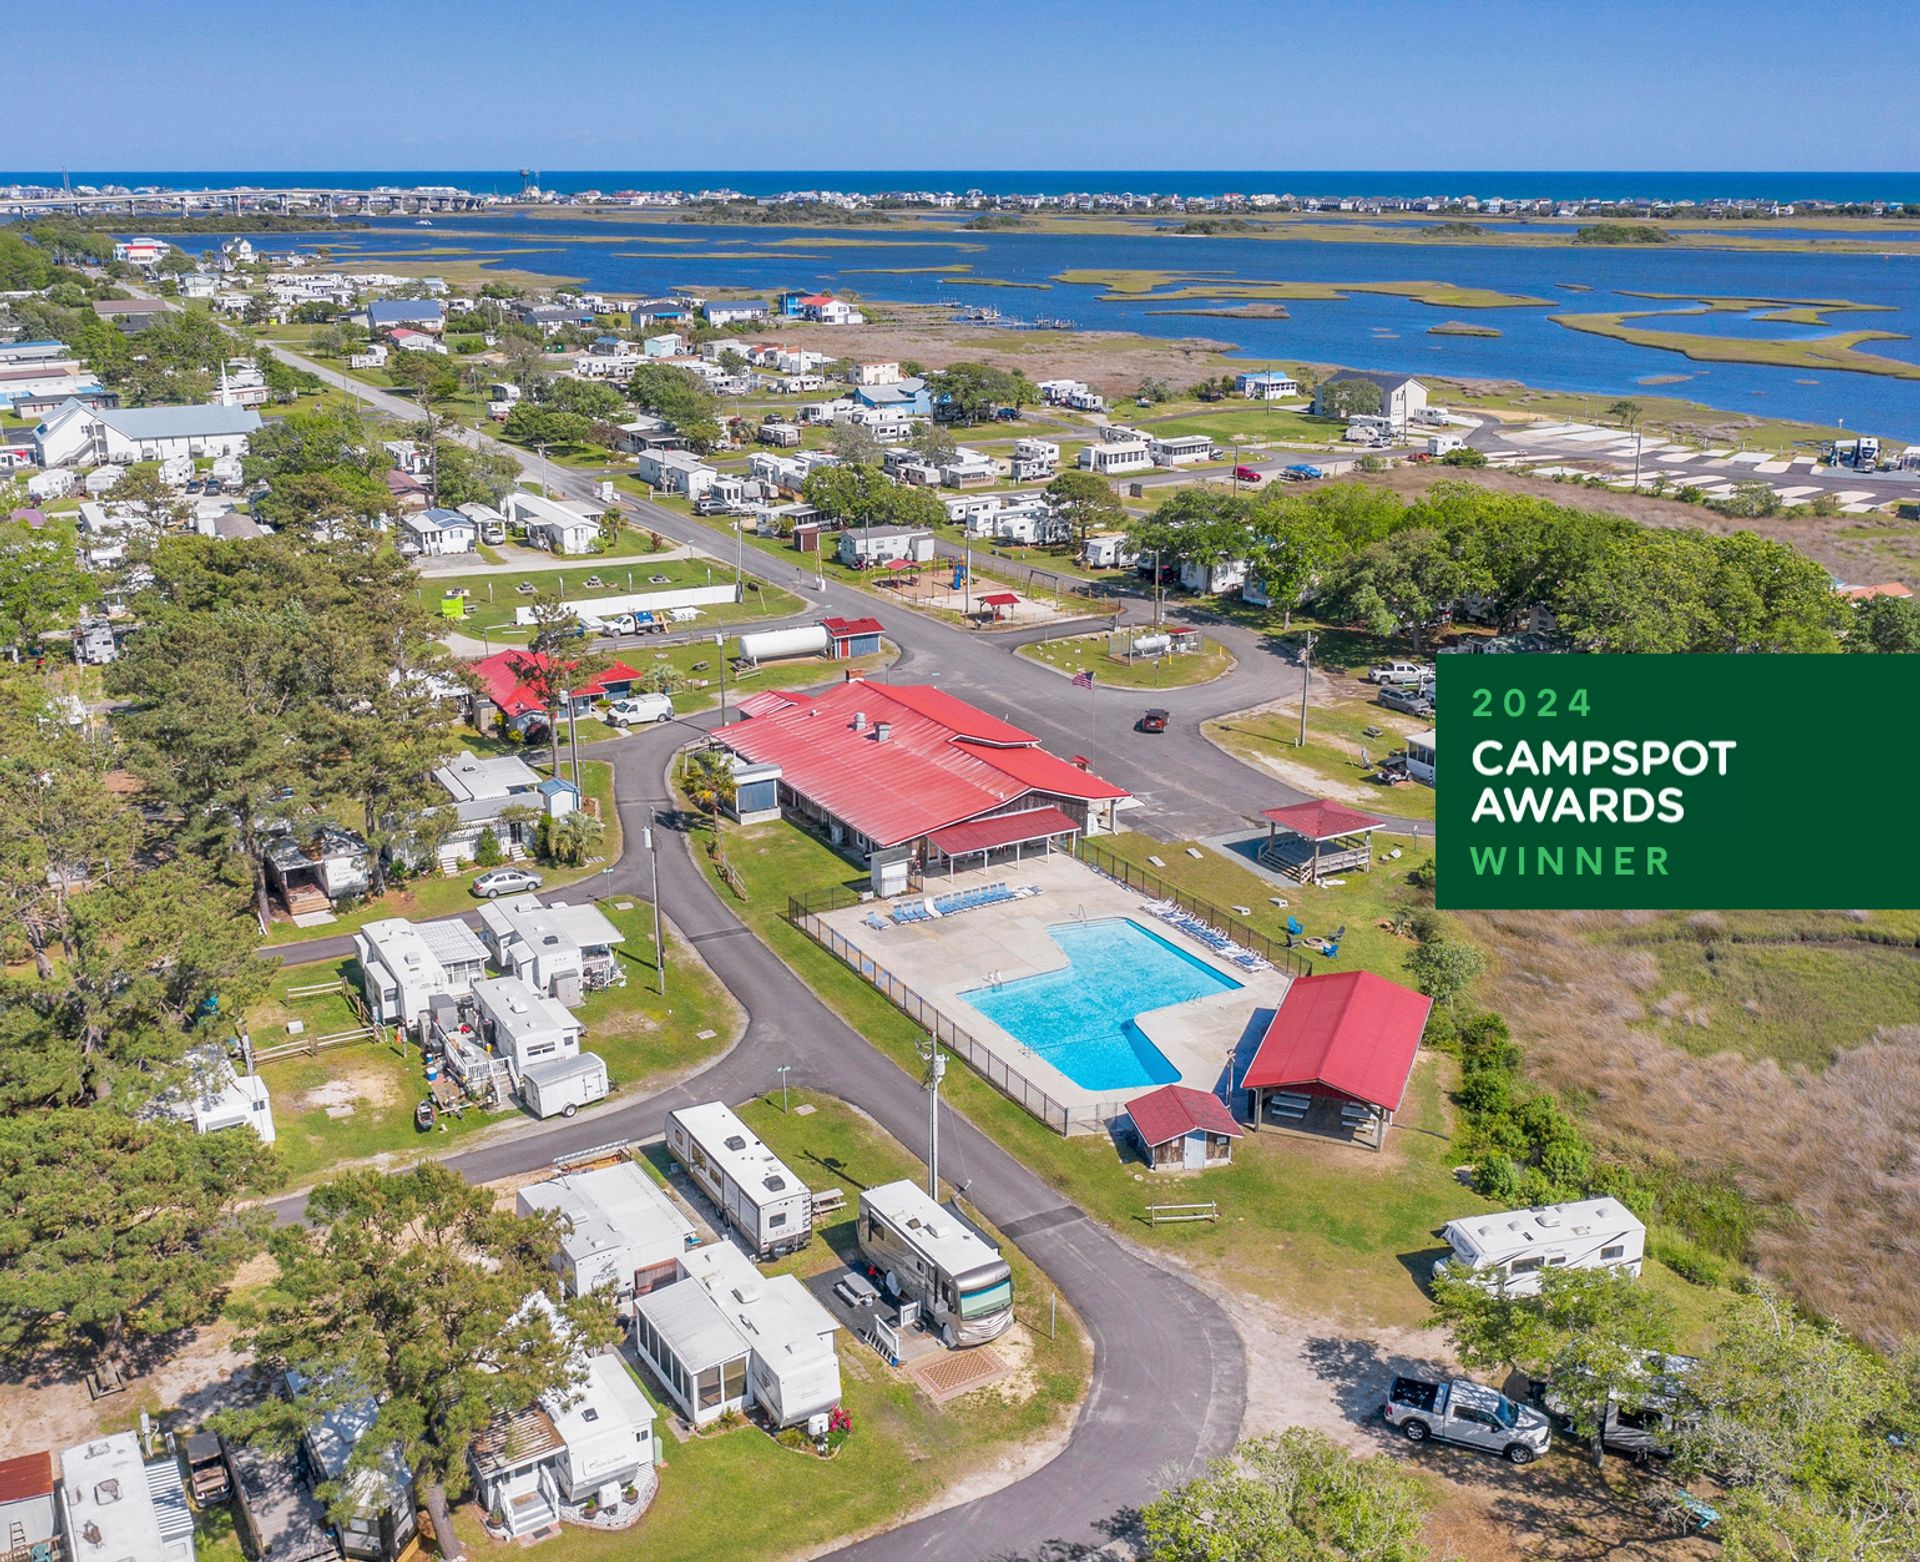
[(1083, 679)]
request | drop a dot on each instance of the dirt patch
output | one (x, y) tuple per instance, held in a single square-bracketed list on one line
[(1113, 362), (352, 1086)]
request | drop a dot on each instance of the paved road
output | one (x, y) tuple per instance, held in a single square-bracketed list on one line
[(1169, 1385), (1188, 787)]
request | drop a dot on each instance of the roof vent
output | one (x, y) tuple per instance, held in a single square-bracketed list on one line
[(1548, 1217), (859, 721), (882, 730)]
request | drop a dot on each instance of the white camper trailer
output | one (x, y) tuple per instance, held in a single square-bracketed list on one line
[(931, 1255), (761, 1199), (1513, 1249)]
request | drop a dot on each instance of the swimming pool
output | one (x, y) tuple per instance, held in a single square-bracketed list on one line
[(1082, 1019)]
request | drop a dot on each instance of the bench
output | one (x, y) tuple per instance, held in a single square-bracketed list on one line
[(829, 1201)]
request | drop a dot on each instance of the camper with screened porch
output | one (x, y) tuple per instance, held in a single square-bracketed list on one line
[(751, 1186), (1510, 1251), (930, 1254)]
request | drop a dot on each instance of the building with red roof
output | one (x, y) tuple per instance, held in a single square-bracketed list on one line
[(1340, 1046), (886, 768), (504, 684), (1311, 840), (1183, 1129), (27, 1516), (849, 637)]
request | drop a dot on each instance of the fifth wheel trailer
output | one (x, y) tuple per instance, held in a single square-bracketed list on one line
[(760, 1197)]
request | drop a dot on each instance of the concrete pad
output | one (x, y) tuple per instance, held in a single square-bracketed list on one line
[(1855, 495), (1795, 495), (1747, 458), (1858, 509), (1678, 456), (1771, 467), (942, 959), (1719, 455)]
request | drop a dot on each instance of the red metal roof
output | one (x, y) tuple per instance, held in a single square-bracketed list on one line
[(500, 675), (766, 701), (981, 835), (30, 1475), (1350, 1032), (1174, 1111), (967, 721), (1322, 820), (927, 774), (842, 628), (998, 599), (1036, 768)]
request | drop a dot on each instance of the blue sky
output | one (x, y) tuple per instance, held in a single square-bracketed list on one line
[(1470, 84)]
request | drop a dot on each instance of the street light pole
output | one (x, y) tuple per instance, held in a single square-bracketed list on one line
[(783, 1070), (936, 1071), (653, 858), (720, 654), (1306, 656)]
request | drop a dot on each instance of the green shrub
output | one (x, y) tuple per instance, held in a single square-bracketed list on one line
[(486, 850)]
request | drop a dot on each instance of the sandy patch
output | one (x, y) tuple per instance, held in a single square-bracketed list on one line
[(353, 1086)]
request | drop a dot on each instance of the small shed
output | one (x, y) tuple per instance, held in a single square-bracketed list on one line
[(1308, 841), (1182, 1129), (806, 536), (1337, 1055), (849, 637)]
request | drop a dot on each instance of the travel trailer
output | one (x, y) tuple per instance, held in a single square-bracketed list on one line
[(761, 1199), (1512, 1250), (931, 1255)]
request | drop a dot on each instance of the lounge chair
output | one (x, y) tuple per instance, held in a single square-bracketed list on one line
[(1295, 926), (1330, 951)]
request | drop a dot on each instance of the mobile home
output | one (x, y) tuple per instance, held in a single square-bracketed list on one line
[(1512, 1250), (770, 1207), (931, 1255)]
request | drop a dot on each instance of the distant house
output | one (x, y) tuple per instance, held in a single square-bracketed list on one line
[(1179, 449), (909, 397), (132, 315), (675, 472), (75, 434), (669, 344), (417, 314), (731, 311), (867, 546), (310, 871), (825, 309), (1110, 457), (1401, 395), (406, 490), (1214, 579), (140, 252), (1266, 385), (567, 528), (501, 676), (439, 531), (552, 317)]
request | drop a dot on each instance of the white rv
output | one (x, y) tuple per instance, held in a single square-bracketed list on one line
[(931, 1255), (761, 1199), (1513, 1249)]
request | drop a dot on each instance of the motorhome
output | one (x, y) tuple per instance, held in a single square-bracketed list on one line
[(766, 1203), (932, 1255), (1513, 1249)]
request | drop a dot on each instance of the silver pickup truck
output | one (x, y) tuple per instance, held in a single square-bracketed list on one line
[(1469, 1414)]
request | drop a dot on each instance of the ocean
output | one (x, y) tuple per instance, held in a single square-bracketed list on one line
[(1553, 184)]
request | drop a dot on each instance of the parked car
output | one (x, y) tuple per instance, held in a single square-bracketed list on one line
[(1471, 1414), (639, 709), (1247, 474), (1411, 673), (505, 881), (1155, 720)]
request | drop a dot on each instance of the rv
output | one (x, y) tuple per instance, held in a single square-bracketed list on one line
[(1511, 1251), (761, 1199), (932, 1255)]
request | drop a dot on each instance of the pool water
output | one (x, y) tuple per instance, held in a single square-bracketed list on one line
[(1082, 1019)]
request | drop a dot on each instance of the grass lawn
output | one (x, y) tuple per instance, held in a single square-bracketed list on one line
[(495, 594), (1335, 736), (696, 670), (643, 1039), (739, 1495), (433, 894), (1077, 653)]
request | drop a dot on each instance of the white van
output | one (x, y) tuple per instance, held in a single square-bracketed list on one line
[(636, 710), (1510, 1251)]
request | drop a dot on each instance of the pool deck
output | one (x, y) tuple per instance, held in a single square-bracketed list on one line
[(943, 958)]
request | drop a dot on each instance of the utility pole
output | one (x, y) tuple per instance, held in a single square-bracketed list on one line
[(936, 1062), (783, 1070), (573, 741), (1306, 657), (720, 655), (1636, 460), (653, 858)]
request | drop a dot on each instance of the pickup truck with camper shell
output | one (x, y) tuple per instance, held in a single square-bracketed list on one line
[(1470, 1414)]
